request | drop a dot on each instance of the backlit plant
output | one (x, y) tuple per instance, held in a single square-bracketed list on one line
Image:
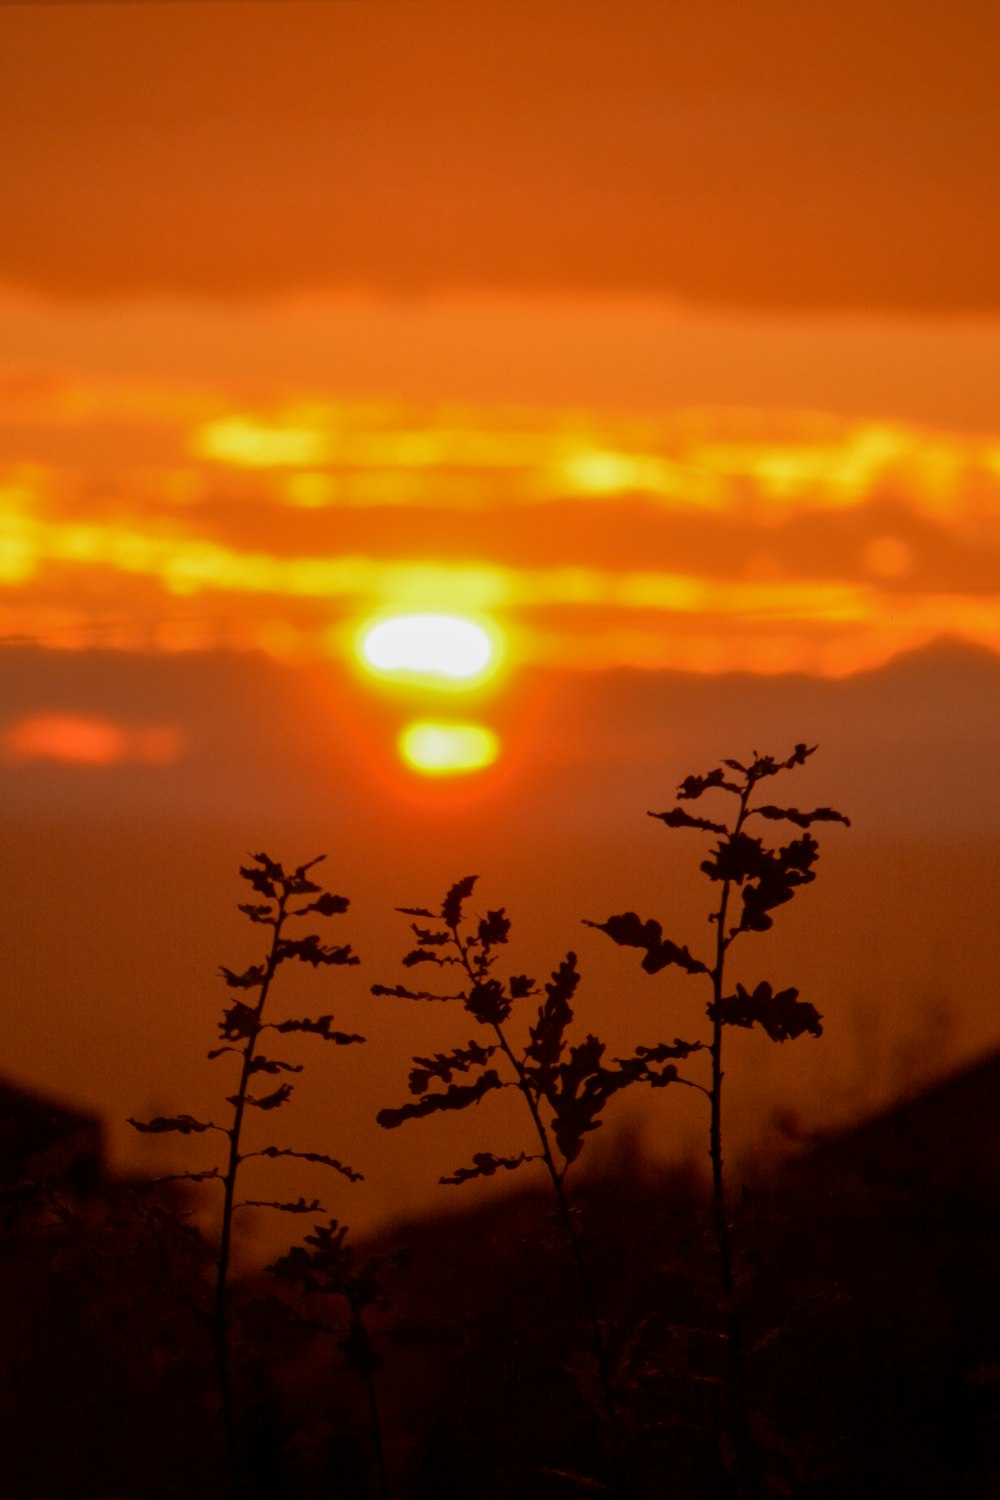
[(565, 1086), (756, 879), (286, 897)]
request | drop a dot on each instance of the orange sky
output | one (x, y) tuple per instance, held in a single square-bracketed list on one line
[(663, 336), (673, 336), (737, 152)]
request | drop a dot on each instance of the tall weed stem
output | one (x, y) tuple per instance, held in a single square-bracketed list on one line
[(765, 879), (564, 1086), (240, 1029), (556, 1177)]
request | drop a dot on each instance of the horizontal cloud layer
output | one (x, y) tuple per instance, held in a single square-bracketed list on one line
[(165, 515)]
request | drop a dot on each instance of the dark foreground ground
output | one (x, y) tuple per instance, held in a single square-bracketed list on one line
[(867, 1294)]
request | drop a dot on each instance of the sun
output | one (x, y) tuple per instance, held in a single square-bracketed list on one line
[(430, 650)]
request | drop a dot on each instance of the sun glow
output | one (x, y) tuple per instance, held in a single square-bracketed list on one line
[(447, 749), (430, 650)]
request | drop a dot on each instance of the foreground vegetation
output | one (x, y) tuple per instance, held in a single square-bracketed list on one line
[(632, 1334)]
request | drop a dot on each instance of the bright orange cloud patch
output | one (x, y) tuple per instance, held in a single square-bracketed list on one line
[(88, 740)]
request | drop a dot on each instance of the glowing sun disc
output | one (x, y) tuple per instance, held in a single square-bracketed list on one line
[(446, 749), (428, 646)]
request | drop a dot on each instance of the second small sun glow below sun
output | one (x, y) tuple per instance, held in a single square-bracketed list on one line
[(444, 749)]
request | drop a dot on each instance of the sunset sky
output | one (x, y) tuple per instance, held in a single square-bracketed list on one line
[(653, 337)]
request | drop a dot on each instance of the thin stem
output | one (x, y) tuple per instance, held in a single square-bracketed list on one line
[(557, 1179), (361, 1333), (722, 942), (220, 1319), (746, 1456)]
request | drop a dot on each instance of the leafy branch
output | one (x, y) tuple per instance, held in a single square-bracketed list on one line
[(757, 879), (565, 1086), (287, 896)]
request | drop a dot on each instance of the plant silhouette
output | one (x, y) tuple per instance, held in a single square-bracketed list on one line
[(763, 878), (287, 896), (564, 1086), (325, 1265)]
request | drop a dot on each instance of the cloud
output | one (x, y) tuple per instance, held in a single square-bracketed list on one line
[(728, 536), (87, 740)]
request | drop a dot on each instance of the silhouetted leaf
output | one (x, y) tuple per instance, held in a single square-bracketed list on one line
[(798, 756), (218, 1051), (300, 1206), (320, 1026), (629, 931), (183, 1124), (427, 937), (313, 1156), (265, 880), (257, 913), (783, 1016), (299, 881), (238, 1021), (269, 1101), (780, 875), (485, 1164), (443, 1064), (578, 1092), (400, 992), (272, 1065), (493, 928), (693, 787), (309, 950), (456, 1096), (520, 987), (327, 905), (451, 910), (642, 1067), (736, 858), (416, 911), (248, 980), (803, 820), (428, 956), (554, 1015), (667, 1074), (487, 1002), (678, 818), (662, 1050)]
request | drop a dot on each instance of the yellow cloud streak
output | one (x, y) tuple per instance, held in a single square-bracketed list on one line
[(752, 466), (757, 464), (185, 566), (379, 457)]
